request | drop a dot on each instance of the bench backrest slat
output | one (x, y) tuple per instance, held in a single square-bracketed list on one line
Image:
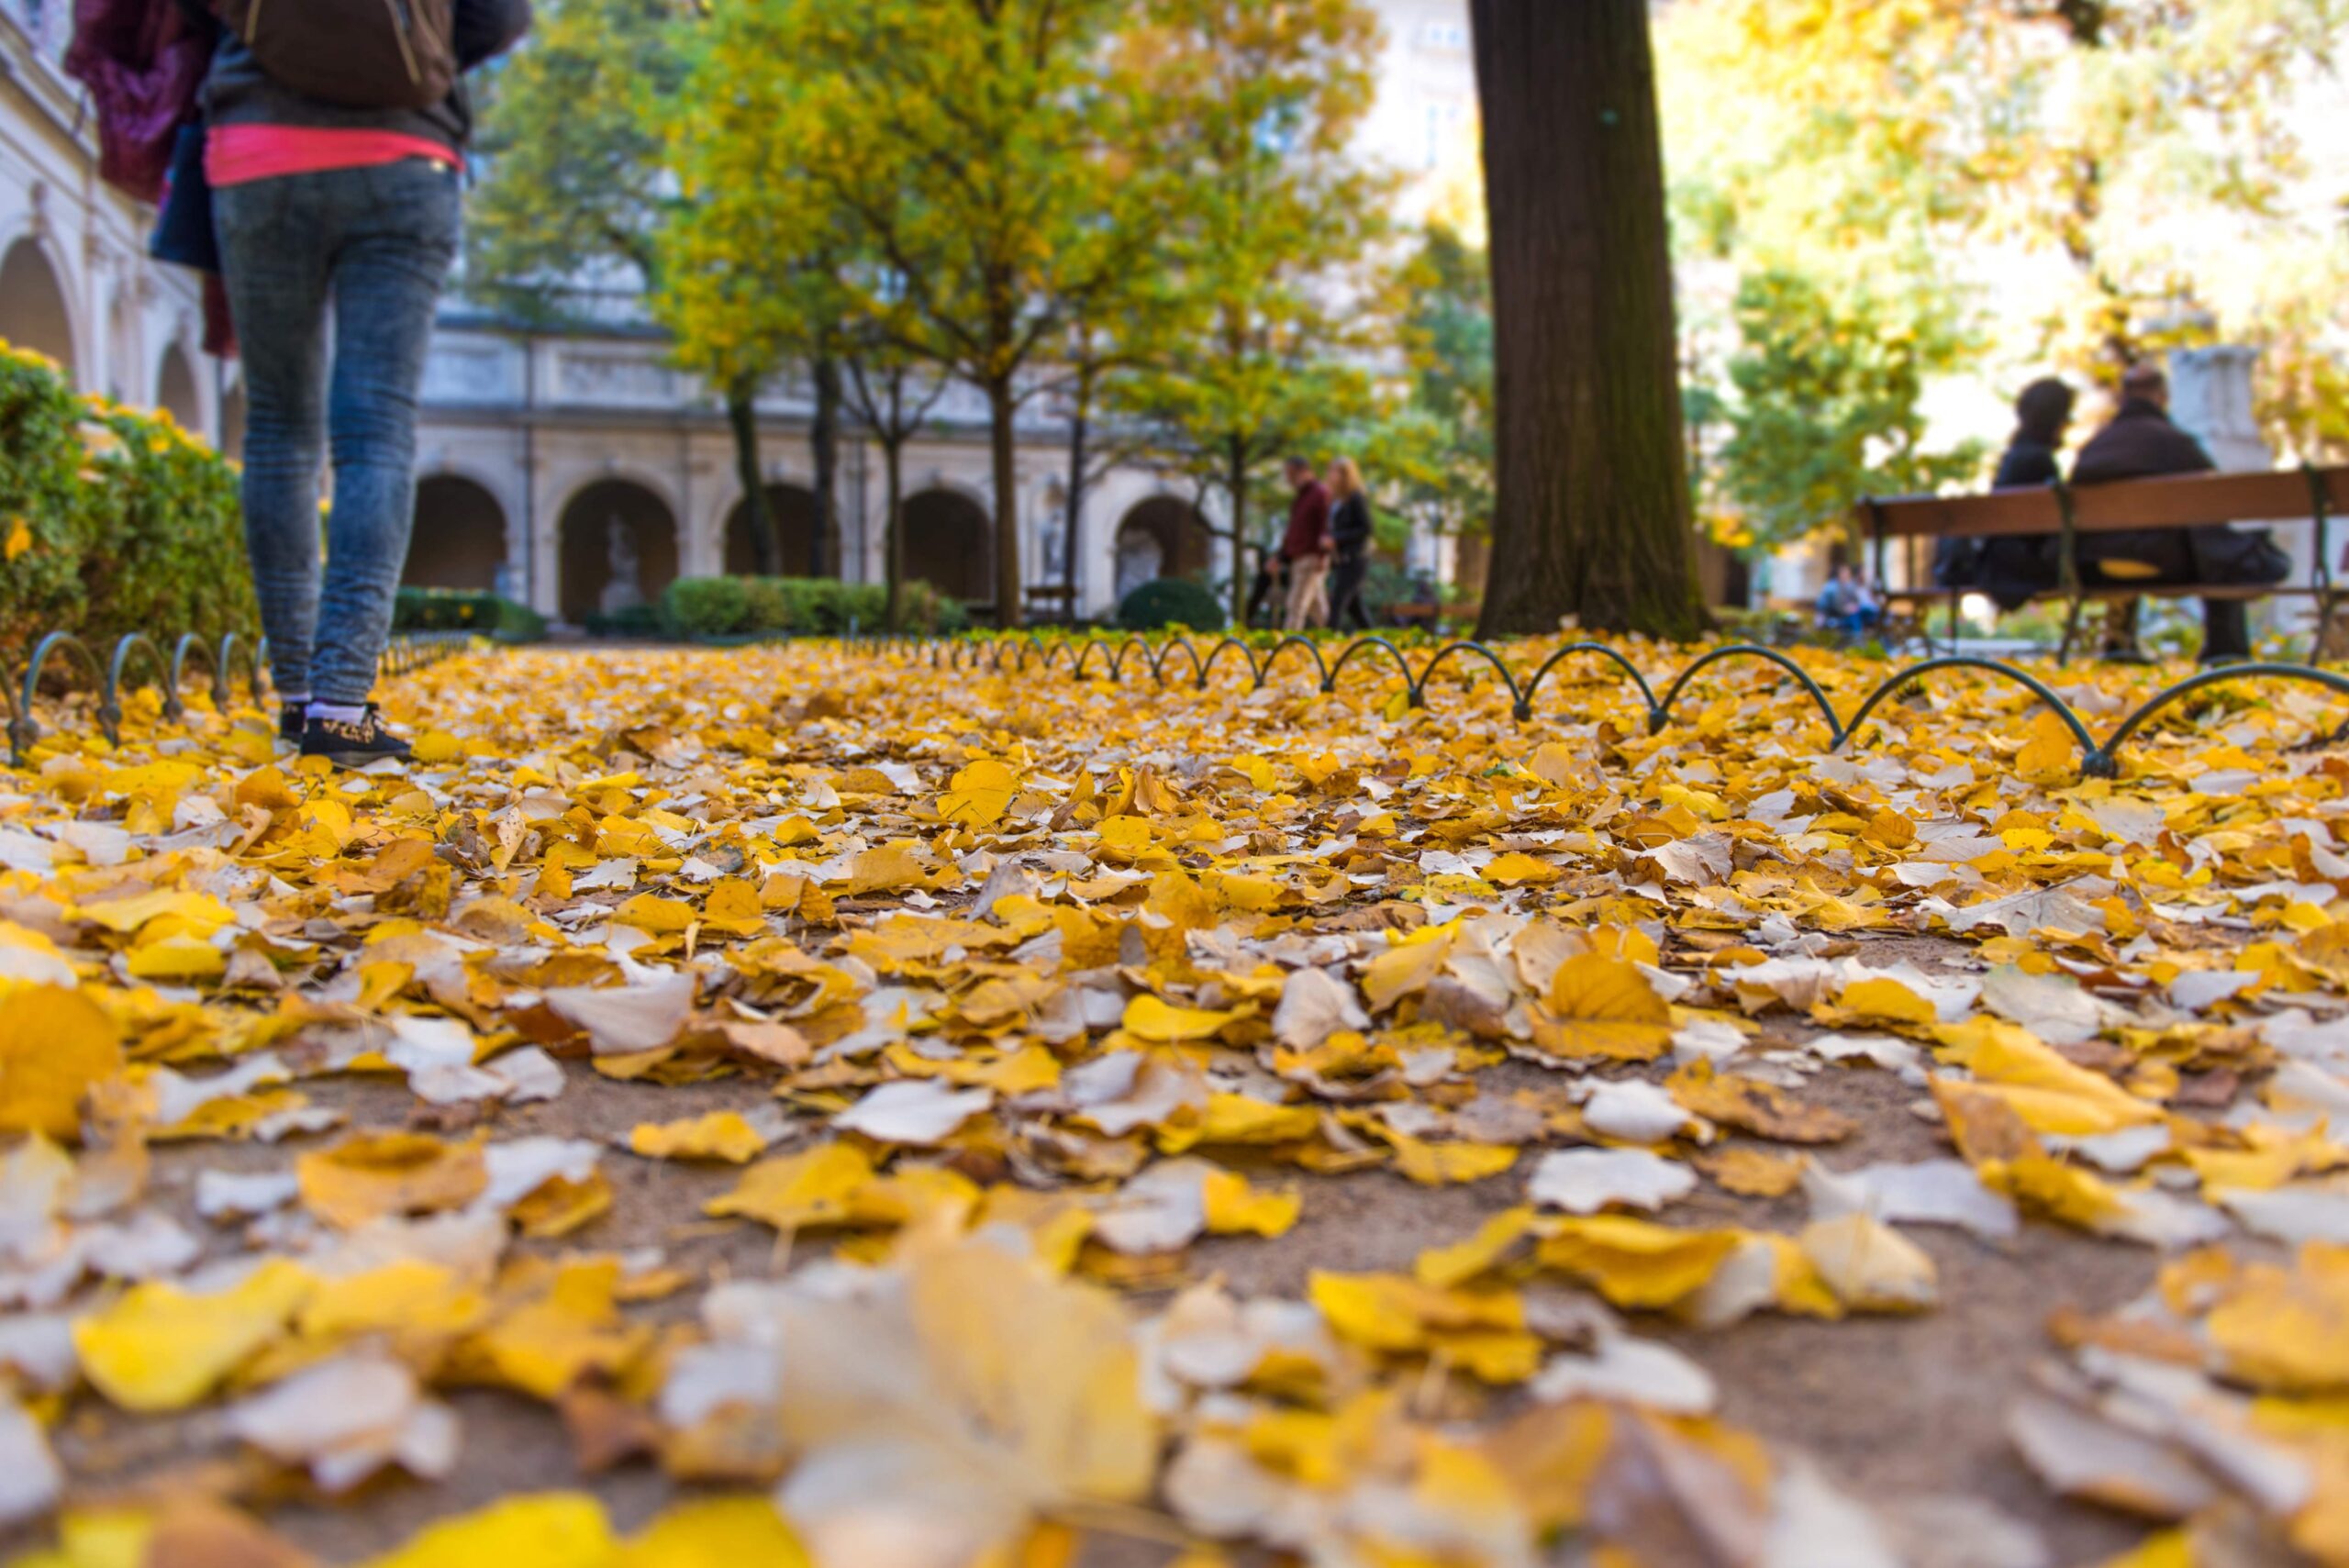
[(2189, 500)]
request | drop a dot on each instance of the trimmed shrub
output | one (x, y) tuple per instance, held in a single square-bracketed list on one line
[(926, 611), (111, 521), (717, 608), (707, 606), (466, 609), (1170, 601)]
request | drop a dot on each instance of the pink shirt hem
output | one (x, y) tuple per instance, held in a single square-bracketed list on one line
[(239, 154)]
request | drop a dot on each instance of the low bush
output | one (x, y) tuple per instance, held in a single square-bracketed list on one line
[(1170, 601), (707, 606), (111, 521), (466, 609), (721, 607)]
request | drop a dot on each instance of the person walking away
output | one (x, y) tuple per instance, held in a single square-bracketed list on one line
[(1350, 531), (2141, 442), (1306, 548), (2014, 570), (336, 150)]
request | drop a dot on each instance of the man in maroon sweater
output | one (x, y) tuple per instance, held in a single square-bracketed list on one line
[(1307, 548)]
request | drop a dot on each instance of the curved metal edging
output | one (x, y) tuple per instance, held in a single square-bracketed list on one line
[(224, 668), (2103, 762), (1246, 653), (1909, 677), (111, 700), (1117, 656), (25, 730), (17, 717), (1166, 651), (1662, 714), (189, 644), (1292, 640), (1534, 686), (1346, 657), (1419, 689)]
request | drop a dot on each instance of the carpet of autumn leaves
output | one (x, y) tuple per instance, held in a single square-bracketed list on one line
[(804, 1106)]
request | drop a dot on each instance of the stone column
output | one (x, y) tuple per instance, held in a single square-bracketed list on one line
[(2211, 398)]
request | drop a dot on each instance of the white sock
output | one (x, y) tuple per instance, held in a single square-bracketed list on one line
[(293, 699), (337, 713)]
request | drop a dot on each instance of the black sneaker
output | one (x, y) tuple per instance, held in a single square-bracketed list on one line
[(351, 745), (290, 721)]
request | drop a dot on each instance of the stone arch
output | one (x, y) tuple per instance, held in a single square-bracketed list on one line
[(949, 544), (793, 509), (458, 540), (34, 312), (176, 391), (600, 515), (1161, 537)]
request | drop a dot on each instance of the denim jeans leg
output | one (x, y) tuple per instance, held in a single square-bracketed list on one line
[(396, 252), (275, 253)]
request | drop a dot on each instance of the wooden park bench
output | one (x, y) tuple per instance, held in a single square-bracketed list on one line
[(2065, 512), (1050, 604)]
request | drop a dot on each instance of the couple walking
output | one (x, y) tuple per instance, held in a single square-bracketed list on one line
[(1325, 552)]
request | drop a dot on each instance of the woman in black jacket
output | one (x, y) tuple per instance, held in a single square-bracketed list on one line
[(2012, 570), (1350, 531)]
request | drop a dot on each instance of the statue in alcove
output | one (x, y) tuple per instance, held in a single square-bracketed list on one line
[(624, 590)]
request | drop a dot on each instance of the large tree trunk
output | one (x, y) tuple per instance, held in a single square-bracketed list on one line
[(1002, 408), (824, 437), (1236, 482), (1593, 512), (742, 415), (893, 535), (1072, 524)]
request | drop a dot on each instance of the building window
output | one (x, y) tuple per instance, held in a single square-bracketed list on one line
[(1444, 35), (1443, 122)]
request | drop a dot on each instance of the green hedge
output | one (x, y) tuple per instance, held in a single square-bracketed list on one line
[(111, 521), (466, 609), (1170, 601), (807, 607)]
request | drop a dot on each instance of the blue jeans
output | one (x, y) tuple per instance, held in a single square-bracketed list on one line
[(376, 244)]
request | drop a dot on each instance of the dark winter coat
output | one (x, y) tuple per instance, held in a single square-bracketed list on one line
[(1350, 528), (2141, 443)]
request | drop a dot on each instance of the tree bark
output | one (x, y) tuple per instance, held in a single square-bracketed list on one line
[(742, 415), (1592, 516), (1002, 408), (893, 536), (1236, 481), (824, 438), (1072, 524)]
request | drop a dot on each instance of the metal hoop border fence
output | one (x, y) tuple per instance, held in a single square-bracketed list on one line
[(221, 660), (2098, 760)]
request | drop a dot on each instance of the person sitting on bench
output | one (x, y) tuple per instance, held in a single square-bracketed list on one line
[(1846, 606), (2141, 443), (2013, 572)]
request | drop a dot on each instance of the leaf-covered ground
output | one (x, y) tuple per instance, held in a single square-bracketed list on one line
[(713, 1108)]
